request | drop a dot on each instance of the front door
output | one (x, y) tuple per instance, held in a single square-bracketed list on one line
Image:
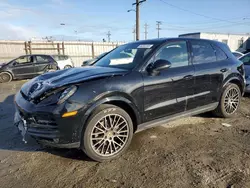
[(23, 67), (165, 94)]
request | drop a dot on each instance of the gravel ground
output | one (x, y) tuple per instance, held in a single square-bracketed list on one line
[(200, 151)]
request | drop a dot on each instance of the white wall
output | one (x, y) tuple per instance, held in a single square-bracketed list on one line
[(232, 39)]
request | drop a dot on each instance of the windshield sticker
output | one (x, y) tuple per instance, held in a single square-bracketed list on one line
[(145, 46), (121, 61)]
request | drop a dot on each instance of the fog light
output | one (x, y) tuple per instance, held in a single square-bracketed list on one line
[(69, 114)]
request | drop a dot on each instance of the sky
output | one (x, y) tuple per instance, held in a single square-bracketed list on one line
[(90, 20)]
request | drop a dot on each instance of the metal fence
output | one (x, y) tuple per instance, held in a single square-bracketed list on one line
[(78, 50)]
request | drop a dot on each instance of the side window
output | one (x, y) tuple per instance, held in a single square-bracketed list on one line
[(43, 59), (174, 52), (220, 54), (202, 52), (246, 59), (24, 59)]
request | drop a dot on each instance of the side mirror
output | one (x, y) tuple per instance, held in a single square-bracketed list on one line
[(14, 63), (159, 65)]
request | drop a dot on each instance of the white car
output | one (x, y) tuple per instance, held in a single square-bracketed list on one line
[(63, 61)]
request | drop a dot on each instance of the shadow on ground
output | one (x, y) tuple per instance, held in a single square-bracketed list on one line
[(11, 139)]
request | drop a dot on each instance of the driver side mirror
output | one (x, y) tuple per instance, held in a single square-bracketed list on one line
[(158, 65), (14, 63)]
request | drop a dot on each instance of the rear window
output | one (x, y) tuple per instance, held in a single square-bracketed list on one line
[(202, 52), (60, 57)]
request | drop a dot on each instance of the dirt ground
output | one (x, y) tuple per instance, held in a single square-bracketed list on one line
[(199, 151)]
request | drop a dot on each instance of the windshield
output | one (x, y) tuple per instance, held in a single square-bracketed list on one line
[(126, 56)]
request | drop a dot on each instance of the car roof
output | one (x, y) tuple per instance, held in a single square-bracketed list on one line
[(162, 40)]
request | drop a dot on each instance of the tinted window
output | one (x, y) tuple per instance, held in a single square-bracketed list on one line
[(24, 59), (202, 52), (174, 52), (220, 54), (237, 55), (245, 59), (43, 59)]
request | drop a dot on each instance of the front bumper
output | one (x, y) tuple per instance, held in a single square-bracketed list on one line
[(45, 124)]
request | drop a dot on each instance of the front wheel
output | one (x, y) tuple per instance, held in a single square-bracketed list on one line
[(229, 102), (108, 133)]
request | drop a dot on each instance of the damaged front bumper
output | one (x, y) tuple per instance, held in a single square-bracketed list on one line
[(45, 124)]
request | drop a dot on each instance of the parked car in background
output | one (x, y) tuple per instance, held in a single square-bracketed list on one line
[(90, 62), (27, 66), (136, 86), (63, 61), (246, 60), (237, 54)]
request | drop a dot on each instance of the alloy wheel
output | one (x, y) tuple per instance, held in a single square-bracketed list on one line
[(109, 135), (232, 99)]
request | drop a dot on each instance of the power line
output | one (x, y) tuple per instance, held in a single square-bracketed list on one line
[(108, 34), (198, 14), (158, 23), (146, 30)]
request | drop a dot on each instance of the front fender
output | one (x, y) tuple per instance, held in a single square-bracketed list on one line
[(110, 99)]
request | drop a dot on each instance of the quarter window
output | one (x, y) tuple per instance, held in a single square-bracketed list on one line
[(43, 59), (220, 54), (174, 52), (202, 52)]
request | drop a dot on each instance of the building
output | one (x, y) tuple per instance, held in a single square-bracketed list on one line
[(236, 42)]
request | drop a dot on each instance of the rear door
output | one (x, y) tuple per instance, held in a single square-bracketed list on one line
[(43, 63), (210, 64), (23, 67)]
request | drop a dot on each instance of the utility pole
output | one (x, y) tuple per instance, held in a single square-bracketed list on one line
[(134, 33), (146, 30), (108, 34), (158, 23), (137, 4)]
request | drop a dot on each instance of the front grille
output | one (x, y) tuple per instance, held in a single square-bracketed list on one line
[(41, 126)]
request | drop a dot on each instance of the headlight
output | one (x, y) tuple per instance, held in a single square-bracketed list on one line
[(67, 93)]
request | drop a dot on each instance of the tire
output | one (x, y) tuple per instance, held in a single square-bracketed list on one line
[(99, 140), (228, 107), (67, 67), (5, 77)]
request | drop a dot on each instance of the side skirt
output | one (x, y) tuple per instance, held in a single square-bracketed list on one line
[(188, 113)]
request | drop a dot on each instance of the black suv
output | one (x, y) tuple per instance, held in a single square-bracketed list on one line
[(136, 86), (27, 66)]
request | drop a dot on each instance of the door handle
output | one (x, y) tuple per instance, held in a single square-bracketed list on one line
[(224, 70), (188, 77)]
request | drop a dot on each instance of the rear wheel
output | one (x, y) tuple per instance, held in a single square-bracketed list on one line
[(229, 102), (5, 77), (107, 134), (67, 67)]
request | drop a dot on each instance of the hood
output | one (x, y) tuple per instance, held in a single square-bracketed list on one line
[(2, 64), (50, 81)]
